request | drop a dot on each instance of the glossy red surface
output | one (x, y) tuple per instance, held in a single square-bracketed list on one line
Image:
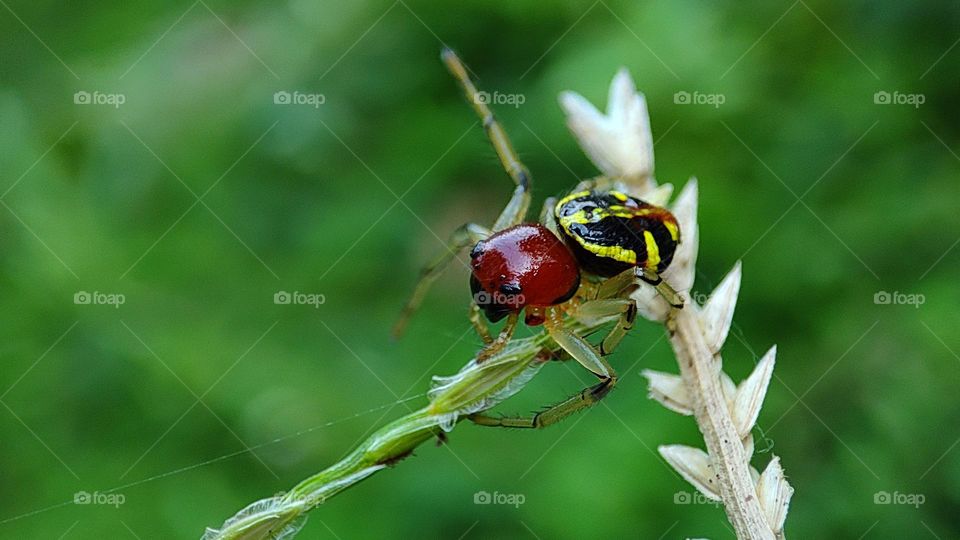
[(525, 265)]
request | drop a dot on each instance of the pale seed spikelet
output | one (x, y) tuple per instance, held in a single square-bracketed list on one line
[(619, 145), (618, 142)]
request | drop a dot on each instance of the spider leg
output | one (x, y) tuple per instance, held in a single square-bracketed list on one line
[(465, 236), (588, 396), (585, 398), (546, 214), (618, 285), (666, 291), (516, 209), (577, 347), (479, 324), (597, 183), (506, 333), (606, 307)]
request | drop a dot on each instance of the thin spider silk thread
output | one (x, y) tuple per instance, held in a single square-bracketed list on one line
[(220, 458)]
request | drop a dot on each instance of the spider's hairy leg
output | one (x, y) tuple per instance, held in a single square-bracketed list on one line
[(465, 236), (588, 396), (506, 334), (597, 183), (666, 291), (602, 308), (585, 398), (516, 209), (619, 285), (576, 346), (546, 215), (479, 324)]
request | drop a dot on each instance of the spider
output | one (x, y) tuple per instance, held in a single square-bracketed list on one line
[(582, 259)]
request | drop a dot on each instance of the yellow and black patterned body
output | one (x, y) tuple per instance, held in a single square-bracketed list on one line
[(610, 232)]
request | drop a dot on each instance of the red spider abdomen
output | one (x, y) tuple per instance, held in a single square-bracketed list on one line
[(525, 265)]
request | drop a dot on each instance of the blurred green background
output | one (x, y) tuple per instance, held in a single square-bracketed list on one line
[(199, 198)]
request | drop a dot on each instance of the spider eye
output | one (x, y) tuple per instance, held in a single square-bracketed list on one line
[(510, 289)]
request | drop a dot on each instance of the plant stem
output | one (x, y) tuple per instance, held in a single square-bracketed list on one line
[(700, 370), (477, 387), (282, 516), (385, 447)]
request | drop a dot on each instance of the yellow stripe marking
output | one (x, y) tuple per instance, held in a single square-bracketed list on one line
[(674, 232), (653, 251), (570, 197), (616, 253)]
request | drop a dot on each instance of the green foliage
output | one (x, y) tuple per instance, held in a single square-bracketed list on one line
[(312, 207)]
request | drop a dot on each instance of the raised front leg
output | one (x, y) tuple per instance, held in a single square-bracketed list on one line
[(465, 236), (516, 209)]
